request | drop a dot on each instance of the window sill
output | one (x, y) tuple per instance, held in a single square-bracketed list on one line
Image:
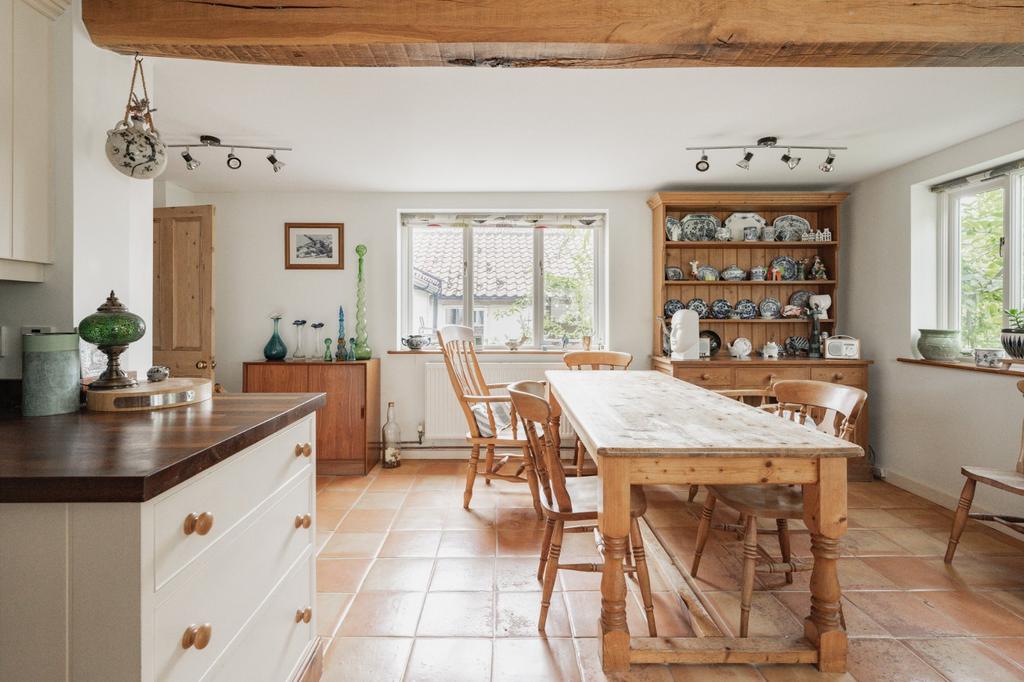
[(524, 351), (968, 366)]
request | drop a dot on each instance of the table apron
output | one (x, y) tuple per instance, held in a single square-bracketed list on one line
[(720, 470)]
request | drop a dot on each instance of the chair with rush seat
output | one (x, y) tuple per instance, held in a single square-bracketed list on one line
[(572, 501), (491, 418)]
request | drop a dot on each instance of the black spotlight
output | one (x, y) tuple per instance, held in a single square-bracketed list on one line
[(234, 163), (274, 162), (744, 163), (703, 164), (190, 162), (791, 161), (828, 165)]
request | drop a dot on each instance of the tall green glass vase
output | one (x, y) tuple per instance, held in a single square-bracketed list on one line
[(362, 348)]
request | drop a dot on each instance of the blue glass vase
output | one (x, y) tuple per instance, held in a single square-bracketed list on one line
[(275, 348)]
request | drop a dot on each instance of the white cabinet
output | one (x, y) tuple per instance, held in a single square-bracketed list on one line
[(26, 137)]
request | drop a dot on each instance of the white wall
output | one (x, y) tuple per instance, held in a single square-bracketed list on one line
[(251, 282), (167, 194), (925, 422)]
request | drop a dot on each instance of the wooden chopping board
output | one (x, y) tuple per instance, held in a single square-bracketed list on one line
[(158, 395)]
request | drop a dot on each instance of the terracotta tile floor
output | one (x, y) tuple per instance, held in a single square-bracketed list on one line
[(413, 587)]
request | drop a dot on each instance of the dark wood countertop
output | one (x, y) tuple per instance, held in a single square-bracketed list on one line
[(135, 456)]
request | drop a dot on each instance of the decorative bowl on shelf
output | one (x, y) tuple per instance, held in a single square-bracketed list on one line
[(1013, 342), (939, 344), (734, 273)]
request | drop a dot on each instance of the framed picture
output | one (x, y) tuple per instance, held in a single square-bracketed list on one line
[(314, 246)]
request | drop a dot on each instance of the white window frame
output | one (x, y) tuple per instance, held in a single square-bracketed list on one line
[(948, 299), (600, 271)]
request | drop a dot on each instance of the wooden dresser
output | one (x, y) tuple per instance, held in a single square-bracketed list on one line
[(348, 428), (167, 546)]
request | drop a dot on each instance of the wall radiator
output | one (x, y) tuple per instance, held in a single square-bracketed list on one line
[(443, 418)]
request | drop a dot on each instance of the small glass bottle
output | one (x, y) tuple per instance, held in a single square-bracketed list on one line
[(391, 438)]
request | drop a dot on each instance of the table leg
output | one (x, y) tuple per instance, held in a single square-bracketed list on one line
[(613, 521), (556, 420), (825, 516)]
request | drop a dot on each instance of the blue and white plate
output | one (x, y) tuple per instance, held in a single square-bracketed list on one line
[(706, 273), (673, 274), (746, 309), (721, 309), (800, 298), (672, 306), (787, 266), (698, 306), (738, 221), (770, 308), (673, 229), (714, 339), (700, 227), (790, 228)]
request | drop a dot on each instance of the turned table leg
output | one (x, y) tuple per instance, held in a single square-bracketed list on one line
[(613, 522), (825, 516)]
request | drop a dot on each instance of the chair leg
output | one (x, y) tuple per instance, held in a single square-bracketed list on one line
[(749, 566), (550, 573), (580, 454), (643, 578), (545, 547), (960, 520), (703, 530), (489, 464), (784, 547), (692, 495), (474, 462), (531, 480)]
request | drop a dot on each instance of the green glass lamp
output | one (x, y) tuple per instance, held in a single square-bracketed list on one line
[(112, 328)]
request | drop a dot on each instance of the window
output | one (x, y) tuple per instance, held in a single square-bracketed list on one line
[(533, 278), (981, 264)]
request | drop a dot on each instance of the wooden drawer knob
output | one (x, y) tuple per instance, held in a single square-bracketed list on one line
[(838, 376), (705, 377), (303, 449), (771, 378), (197, 636), (303, 520), (200, 524), (304, 615)]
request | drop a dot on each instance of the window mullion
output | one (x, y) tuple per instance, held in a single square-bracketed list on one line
[(538, 287), (1013, 250), (467, 277)]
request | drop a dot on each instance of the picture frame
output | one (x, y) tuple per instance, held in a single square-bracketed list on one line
[(314, 246)]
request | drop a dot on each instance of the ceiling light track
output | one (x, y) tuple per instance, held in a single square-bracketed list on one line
[(768, 142), (233, 161)]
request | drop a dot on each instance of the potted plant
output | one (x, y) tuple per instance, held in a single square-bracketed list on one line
[(1012, 337)]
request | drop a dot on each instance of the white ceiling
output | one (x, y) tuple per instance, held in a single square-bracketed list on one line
[(455, 129)]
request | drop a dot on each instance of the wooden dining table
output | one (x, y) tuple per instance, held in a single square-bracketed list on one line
[(647, 428)]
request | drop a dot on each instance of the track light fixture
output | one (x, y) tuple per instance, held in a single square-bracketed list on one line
[(190, 162), (274, 162), (767, 142), (703, 164), (234, 162), (828, 165)]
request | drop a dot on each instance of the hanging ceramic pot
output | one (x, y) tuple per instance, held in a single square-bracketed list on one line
[(134, 146), (135, 151)]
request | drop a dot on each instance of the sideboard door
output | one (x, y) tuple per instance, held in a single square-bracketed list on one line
[(275, 377), (341, 432)]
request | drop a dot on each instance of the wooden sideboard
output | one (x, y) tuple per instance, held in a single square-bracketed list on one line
[(348, 428), (720, 373)]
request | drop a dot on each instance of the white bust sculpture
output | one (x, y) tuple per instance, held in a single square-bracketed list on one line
[(685, 338)]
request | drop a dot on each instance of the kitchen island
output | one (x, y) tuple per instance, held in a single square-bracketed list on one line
[(175, 544)]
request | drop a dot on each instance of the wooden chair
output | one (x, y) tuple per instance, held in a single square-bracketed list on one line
[(491, 418), (831, 408), (1003, 479), (595, 360), (572, 501), (755, 397)]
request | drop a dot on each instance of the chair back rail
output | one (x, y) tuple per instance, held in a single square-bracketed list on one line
[(597, 359), (530, 400), (833, 408)]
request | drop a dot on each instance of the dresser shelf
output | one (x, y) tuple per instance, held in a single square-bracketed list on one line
[(749, 283), (761, 320), (747, 245)]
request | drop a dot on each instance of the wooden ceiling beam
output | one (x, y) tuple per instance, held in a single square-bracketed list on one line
[(567, 33)]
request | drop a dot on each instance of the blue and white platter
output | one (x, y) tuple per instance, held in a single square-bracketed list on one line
[(673, 229), (721, 309), (698, 306), (800, 298), (700, 227), (790, 228), (672, 306), (746, 309), (787, 266), (770, 308), (673, 273)]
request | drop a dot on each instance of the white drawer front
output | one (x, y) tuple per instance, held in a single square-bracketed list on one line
[(233, 578), (228, 492), (270, 646)]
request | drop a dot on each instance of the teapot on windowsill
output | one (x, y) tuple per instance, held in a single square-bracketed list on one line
[(416, 341)]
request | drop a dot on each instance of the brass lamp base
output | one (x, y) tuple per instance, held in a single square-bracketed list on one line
[(113, 376)]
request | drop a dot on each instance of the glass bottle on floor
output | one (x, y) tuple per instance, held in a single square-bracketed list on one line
[(391, 438)]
